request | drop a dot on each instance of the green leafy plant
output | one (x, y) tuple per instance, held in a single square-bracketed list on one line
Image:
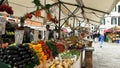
[(37, 4), (22, 19), (47, 8)]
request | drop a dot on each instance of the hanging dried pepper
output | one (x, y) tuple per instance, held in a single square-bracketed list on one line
[(49, 16), (37, 13)]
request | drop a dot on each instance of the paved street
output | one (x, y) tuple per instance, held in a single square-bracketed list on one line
[(106, 57)]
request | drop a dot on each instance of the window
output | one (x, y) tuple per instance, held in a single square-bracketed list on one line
[(114, 9), (113, 20), (103, 22), (119, 21), (119, 8), (92, 27)]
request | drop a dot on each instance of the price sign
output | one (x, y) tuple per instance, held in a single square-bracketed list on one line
[(19, 36), (2, 25), (36, 32)]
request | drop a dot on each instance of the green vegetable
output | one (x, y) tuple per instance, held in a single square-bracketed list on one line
[(53, 48)]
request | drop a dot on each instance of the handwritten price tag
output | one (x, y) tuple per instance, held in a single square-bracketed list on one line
[(2, 25), (19, 36), (36, 32)]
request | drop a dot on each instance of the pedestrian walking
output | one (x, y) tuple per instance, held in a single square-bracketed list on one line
[(101, 40)]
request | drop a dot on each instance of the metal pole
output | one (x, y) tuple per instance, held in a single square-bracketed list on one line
[(69, 17), (73, 26), (59, 19), (85, 7), (69, 9), (79, 27)]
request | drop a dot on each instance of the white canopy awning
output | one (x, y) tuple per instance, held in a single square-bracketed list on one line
[(92, 10)]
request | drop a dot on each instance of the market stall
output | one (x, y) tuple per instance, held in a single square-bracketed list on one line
[(112, 34), (49, 54), (25, 50)]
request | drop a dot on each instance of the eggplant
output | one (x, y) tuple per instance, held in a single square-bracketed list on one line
[(19, 63), (13, 56), (23, 53), (11, 62), (22, 46), (17, 59), (12, 48), (25, 56), (21, 49), (6, 61), (12, 52)]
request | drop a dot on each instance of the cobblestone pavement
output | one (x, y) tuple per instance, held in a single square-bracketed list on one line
[(106, 57)]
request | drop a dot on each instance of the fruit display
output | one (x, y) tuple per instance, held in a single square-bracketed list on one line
[(67, 63), (37, 48), (71, 54), (37, 54), (76, 46), (60, 47), (74, 43), (19, 56), (45, 48), (9, 33), (52, 47), (68, 58)]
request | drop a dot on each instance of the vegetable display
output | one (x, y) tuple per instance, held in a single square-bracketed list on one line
[(18, 56)]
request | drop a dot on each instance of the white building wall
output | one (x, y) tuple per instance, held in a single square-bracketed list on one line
[(108, 19)]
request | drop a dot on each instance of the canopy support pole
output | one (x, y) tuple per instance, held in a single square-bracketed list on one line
[(72, 14), (59, 36), (69, 17), (85, 7), (79, 26), (73, 25)]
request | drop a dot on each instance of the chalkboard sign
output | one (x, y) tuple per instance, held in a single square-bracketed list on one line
[(19, 36)]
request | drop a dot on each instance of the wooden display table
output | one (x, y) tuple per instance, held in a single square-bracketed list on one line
[(88, 57)]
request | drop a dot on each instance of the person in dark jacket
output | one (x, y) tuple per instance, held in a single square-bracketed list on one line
[(49, 33), (40, 35)]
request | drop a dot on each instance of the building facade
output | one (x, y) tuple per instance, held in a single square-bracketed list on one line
[(113, 19)]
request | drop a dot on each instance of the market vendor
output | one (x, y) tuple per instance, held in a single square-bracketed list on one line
[(48, 33), (40, 35)]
